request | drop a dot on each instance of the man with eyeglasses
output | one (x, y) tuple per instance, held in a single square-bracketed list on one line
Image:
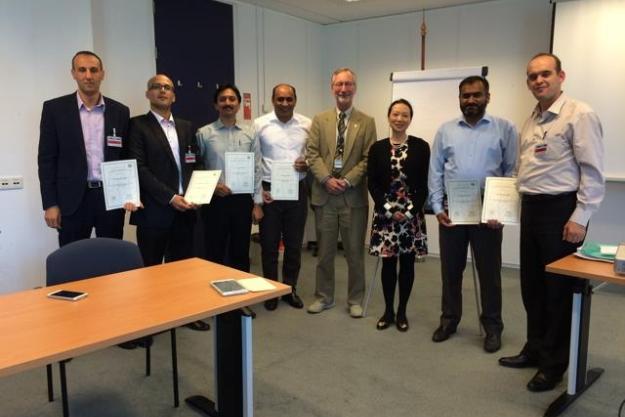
[(282, 135), (336, 152), (77, 133), (166, 153), (560, 178)]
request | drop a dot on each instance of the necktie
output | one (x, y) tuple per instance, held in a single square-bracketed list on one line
[(340, 140), (340, 146)]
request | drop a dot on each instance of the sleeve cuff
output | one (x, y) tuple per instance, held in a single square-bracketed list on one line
[(580, 216)]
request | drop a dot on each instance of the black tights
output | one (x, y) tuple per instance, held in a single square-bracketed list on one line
[(390, 278)]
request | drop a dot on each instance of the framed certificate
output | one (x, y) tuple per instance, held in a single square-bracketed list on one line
[(501, 201), (284, 181), (240, 172), (120, 180), (464, 201), (202, 186)]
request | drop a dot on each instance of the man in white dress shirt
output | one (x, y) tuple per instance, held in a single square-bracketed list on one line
[(282, 135)]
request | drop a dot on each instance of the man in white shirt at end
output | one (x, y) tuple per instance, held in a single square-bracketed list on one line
[(560, 178)]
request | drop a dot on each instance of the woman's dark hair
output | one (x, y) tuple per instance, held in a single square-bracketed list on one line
[(400, 101)]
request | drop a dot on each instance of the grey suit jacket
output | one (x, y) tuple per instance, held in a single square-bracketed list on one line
[(320, 148)]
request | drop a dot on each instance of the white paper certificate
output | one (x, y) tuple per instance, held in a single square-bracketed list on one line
[(501, 201), (240, 172), (202, 186), (120, 180), (284, 181), (464, 201)]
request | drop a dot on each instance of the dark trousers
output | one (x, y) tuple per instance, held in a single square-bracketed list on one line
[(390, 278), (91, 214), (486, 244), (171, 244), (227, 227), (547, 297), (283, 220)]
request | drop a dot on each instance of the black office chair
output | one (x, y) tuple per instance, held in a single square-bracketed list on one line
[(89, 258)]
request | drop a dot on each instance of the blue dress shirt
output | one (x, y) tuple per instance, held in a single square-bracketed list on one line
[(462, 151)]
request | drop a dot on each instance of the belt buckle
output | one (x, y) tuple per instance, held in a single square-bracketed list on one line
[(94, 184)]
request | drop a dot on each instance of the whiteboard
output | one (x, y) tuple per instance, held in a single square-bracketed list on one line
[(589, 38), (433, 95)]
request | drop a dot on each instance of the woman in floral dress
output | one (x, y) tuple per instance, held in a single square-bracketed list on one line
[(397, 173)]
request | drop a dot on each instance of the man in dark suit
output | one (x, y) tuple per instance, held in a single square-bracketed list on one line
[(166, 153), (165, 150), (336, 152), (77, 133)]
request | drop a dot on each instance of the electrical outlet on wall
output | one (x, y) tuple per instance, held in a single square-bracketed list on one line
[(13, 182)]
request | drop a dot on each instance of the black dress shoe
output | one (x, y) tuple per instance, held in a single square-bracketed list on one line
[(271, 304), (442, 333), (492, 343), (199, 326), (293, 300), (401, 323), (385, 321), (543, 382), (145, 342), (522, 360), (128, 345)]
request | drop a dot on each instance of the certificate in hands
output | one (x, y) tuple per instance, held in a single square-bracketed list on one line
[(284, 181), (202, 186), (501, 201), (240, 172), (120, 181), (464, 201)]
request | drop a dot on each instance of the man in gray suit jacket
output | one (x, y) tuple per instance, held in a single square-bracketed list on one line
[(336, 152)]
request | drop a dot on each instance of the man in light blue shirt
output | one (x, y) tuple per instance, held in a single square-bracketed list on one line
[(228, 217), (471, 147)]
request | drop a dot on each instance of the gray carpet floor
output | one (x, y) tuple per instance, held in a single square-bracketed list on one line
[(330, 365)]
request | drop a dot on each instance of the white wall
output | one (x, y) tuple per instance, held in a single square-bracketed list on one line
[(500, 34), (37, 40), (272, 48)]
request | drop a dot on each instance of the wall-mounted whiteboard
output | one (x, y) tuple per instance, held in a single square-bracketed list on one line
[(433, 95), (589, 38)]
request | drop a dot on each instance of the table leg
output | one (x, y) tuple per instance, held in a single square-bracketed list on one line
[(233, 368), (578, 378)]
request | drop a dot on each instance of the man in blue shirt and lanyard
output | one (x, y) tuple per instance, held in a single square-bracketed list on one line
[(228, 218), (471, 147)]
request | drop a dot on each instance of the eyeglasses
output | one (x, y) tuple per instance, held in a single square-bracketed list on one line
[(158, 87)]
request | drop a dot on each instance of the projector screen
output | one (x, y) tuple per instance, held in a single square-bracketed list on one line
[(589, 38)]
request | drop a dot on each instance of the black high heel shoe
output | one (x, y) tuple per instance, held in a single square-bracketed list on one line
[(385, 322), (402, 324)]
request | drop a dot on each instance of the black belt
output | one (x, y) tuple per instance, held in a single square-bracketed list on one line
[(94, 184), (530, 198)]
